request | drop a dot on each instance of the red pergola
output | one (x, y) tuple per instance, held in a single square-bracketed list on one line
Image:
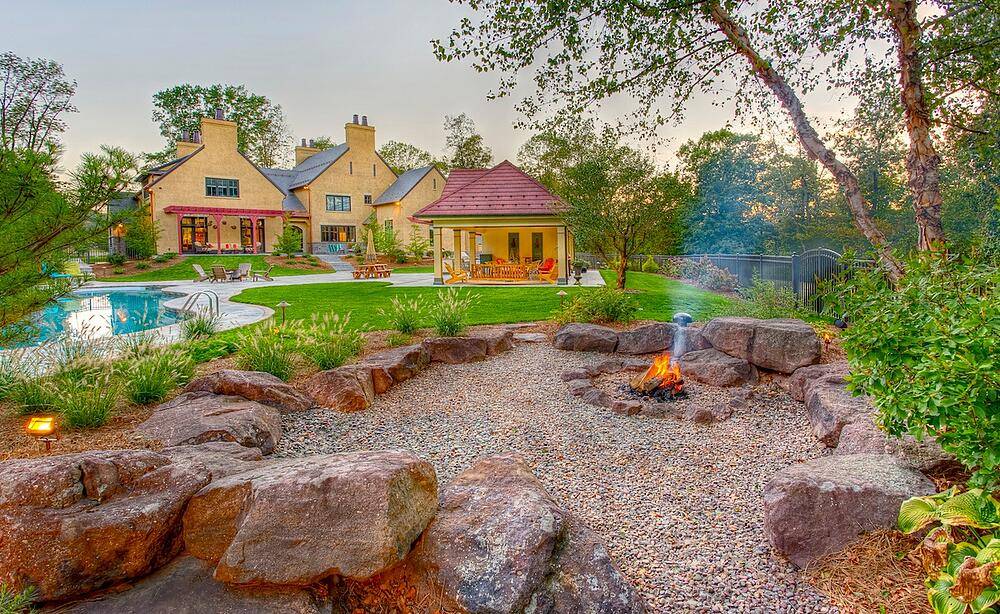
[(218, 213)]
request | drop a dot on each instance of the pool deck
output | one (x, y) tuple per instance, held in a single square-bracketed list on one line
[(234, 314)]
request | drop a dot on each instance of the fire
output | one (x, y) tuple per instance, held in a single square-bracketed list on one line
[(663, 373)]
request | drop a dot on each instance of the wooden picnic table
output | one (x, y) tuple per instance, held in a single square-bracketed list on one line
[(369, 271)]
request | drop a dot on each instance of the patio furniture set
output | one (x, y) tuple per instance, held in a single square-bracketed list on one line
[(372, 271), (221, 273), (500, 270)]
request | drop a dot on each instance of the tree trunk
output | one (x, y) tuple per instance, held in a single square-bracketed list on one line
[(622, 271), (810, 139), (922, 161)]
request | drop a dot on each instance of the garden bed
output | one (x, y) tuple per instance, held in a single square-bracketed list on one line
[(179, 267)]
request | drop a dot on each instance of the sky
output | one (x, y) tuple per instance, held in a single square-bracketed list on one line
[(321, 61)]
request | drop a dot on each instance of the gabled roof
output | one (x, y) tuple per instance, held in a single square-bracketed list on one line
[(166, 168), (501, 190), (403, 185), (313, 166), (282, 177)]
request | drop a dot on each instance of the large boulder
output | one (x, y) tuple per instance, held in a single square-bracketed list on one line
[(715, 368), (781, 345), (586, 338), (497, 341), (220, 458), (831, 406), (254, 385), (186, 586), (799, 382), (75, 523), (820, 506), (501, 544), (400, 363), (297, 521), (456, 350), (349, 388), (863, 436), (651, 338), (200, 417)]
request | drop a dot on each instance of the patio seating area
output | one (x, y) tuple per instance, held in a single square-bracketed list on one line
[(372, 271), (220, 273), (503, 271)]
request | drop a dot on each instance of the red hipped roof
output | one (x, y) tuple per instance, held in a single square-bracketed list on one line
[(501, 190)]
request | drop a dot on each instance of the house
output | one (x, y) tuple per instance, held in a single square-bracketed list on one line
[(213, 199), (413, 190), (504, 220)]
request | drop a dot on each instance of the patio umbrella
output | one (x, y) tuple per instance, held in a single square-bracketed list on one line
[(370, 255)]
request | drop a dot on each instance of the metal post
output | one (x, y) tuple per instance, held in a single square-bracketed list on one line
[(795, 275)]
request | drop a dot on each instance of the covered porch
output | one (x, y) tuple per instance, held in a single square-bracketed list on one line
[(502, 251), (223, 230)]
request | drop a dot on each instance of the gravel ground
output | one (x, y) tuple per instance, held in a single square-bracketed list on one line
[(678, 504)]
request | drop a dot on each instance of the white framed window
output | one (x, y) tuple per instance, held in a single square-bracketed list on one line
[(337, 234), (338, 202)]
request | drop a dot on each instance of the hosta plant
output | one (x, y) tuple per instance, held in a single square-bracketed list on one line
[(962, 576)]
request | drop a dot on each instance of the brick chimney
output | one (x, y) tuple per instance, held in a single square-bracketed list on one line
[(218, 134), (360, 136)]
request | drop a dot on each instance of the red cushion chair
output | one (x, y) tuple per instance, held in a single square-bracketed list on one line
[(547, 265)]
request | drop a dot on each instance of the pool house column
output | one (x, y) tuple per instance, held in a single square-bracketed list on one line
[(438, 255)]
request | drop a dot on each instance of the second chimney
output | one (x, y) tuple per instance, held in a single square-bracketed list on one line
[(219, 114), (364, 120)]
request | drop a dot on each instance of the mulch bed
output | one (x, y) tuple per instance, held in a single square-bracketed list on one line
[(105, 271)]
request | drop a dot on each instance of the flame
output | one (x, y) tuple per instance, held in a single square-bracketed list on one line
[(668, 371)]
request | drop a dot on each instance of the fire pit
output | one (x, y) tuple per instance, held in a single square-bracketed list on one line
[(661, 382)]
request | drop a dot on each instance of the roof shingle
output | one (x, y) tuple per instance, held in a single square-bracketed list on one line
[(501, 190), (403, 184)]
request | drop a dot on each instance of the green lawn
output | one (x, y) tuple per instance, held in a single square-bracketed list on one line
[(659, 297), (403, 269), (181, 269)]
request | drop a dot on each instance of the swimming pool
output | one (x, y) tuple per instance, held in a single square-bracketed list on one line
[(104, 312)]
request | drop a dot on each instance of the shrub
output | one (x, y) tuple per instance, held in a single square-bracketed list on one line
[(398, 339), (142, 265), (200, 325), (963, 543), (211, 348), (603, 305), (31, 395), (116, 259), (765, 300), (151, 377), (266, 348), (448, 315), (118, 270), (404, 315), (326, 341), (14, 602), (137, 344), (707, 274), (925, 350), (671, 268), (650, 266), (289, 241), (418, 244), (86, 404)]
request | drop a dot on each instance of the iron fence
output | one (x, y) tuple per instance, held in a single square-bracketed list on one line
[(801, 273), (93, 255)]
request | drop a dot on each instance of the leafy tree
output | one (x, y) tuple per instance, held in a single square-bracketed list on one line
[(418, 244), (141, 231), (323, 142), (43, 218), (262, 134), (33, 100), (661, 52), (561, 144), (290, 240), (618, 205), (727, 212), (466, 147), (402, 157)]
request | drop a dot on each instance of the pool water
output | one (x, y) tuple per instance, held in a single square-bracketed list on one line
[(105, 312)]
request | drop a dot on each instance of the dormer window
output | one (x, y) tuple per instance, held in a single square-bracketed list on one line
[(224, 188)]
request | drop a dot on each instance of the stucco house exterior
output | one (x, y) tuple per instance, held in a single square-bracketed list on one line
[(497, 214), (211, 198)]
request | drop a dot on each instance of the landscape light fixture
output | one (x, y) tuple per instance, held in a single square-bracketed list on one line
[(42, 428), (283, 305), (562, 297)]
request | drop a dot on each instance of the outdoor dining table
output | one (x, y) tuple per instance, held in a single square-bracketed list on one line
[(368, 271)]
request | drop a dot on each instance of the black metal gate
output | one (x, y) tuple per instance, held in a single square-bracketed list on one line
[(809, 269)]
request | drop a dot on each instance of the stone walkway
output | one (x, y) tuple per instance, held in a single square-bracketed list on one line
[(678, 504)]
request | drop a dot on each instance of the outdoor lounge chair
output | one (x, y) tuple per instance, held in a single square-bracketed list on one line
[(265, 275), (219, 273), (549, 271), (202, 275), (242, 272), (459, 276)]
